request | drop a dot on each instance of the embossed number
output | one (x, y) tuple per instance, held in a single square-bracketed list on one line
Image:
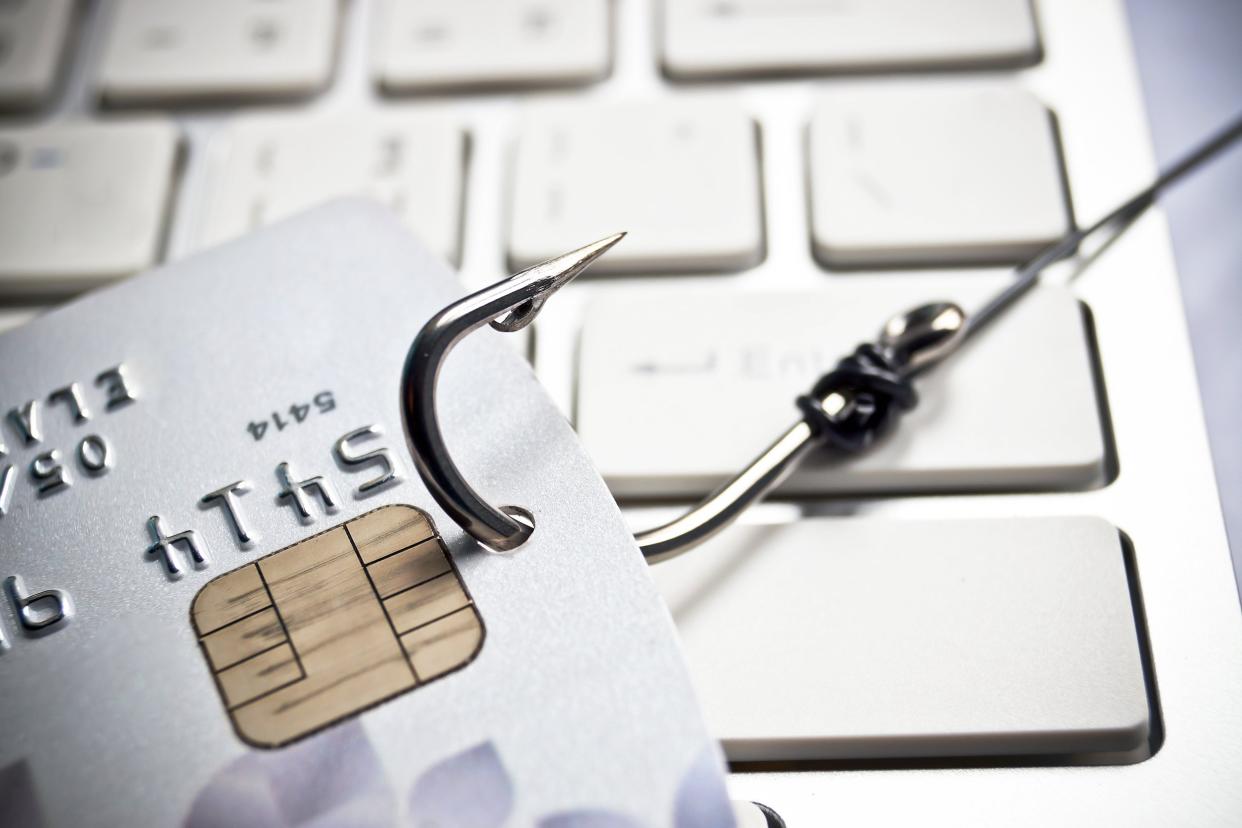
[(298, 412)]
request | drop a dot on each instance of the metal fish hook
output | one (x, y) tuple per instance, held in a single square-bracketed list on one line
[(846, 409)]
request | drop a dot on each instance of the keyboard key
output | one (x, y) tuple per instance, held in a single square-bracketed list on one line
[(681, 176), (82, 203), (268, 167), (446, 44), (705, 38), (32, 37), (678, 389), (924, 173), (864, 638), (181, 50)]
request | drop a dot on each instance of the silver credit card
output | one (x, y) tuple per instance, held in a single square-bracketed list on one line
[(229, 600)]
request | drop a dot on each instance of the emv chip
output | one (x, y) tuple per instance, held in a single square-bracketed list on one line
[(334, 624)]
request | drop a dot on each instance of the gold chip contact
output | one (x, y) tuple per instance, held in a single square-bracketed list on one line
[(334, 624)]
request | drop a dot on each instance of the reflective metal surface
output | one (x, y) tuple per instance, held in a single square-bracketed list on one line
[(507, 306), (910, 342)]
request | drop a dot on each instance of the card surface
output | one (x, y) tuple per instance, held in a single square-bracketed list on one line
[(228, 599)]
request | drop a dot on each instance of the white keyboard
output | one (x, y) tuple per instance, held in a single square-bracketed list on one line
[(1018, 610)]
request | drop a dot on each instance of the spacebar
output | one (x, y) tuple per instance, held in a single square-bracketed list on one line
[(867, 638)]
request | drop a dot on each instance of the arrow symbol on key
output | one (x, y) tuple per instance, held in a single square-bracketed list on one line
[(705, 367)]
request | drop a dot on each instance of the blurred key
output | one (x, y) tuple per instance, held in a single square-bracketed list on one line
[(681, 176), (82, 203), (182, 50), (32, 37), (866, 638), (933, 173), (704, 38), (443, 44), (264, 168), (678, 390)]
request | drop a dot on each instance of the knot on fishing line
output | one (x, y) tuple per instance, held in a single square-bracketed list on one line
[(873, 392)]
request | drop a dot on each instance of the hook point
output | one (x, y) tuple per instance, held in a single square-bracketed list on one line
[(551, 276)]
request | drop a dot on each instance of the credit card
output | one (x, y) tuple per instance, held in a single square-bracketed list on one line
[(228, 598)]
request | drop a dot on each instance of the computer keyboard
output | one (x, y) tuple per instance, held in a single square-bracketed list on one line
[(1018, 610)]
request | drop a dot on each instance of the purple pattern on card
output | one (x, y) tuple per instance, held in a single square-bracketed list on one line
[(588, 819), (335, 780), (471, 789), (702, 798), (331, 780)]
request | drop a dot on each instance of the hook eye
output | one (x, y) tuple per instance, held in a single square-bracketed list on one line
[(519, 317), (923, 336)]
